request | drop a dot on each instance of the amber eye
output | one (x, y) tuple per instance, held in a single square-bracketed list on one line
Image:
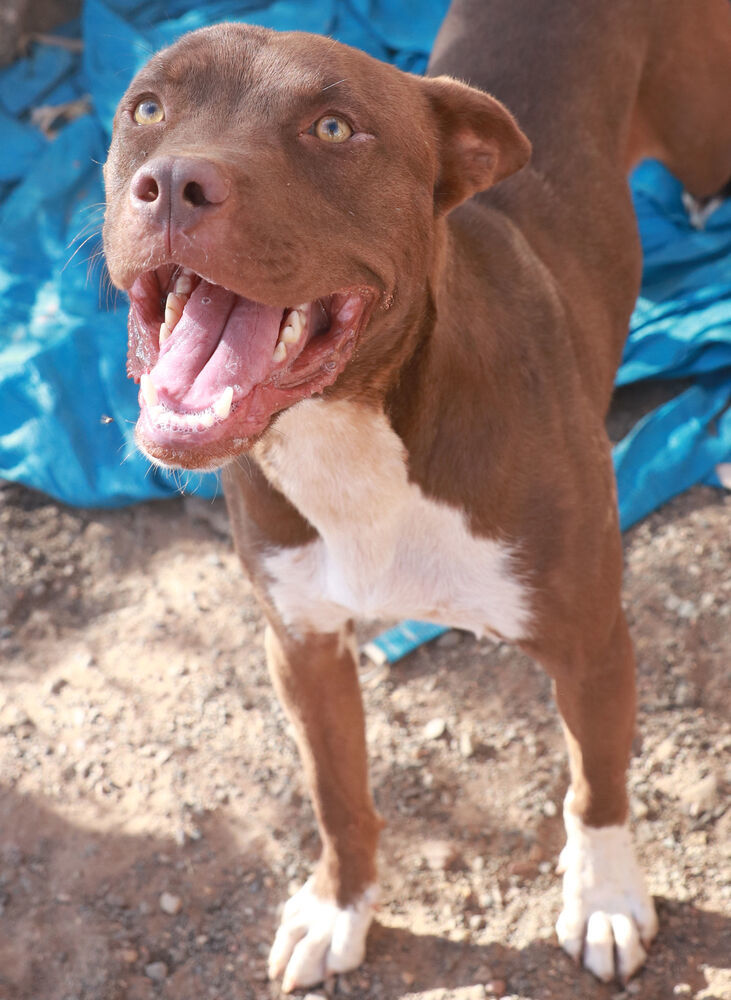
[(148, 112), (332, 129)]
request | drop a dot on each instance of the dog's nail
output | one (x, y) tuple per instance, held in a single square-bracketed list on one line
[(280, 352), (222, 406), (173, 310), (164, 333), (149, 392)]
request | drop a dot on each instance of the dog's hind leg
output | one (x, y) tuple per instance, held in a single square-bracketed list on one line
[(324, 925), (682, 112)]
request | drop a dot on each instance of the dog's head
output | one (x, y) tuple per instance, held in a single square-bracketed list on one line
[(272, 205)]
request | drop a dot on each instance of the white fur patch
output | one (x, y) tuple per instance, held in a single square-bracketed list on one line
[(318, 938), (385, 550), (607, 910)]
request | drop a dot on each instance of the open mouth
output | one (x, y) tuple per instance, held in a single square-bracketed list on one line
[(214, 366)]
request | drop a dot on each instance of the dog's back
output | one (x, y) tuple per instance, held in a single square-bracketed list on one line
[(597, 87)]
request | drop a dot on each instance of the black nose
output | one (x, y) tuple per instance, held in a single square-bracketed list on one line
[(178, 190)]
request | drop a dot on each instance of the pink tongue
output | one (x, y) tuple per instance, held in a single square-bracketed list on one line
[(221, 339)]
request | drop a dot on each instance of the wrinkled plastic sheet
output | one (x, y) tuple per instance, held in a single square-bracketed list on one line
[(67, 411)]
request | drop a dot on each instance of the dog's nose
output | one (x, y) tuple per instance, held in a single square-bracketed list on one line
[(177, 190)]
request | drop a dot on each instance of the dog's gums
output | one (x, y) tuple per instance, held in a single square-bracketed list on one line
[(213, 365)]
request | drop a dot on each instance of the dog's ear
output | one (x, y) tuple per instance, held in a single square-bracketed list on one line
[(479, 140)]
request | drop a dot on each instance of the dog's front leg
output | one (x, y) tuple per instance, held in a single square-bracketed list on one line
[(608, 917), (324, 925)]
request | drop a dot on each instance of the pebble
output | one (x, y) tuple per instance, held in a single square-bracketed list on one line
[(408, 978), (170, 904), (666, 750), (700, 796), (434, 729), (315, 996), (440, 855), (466, 745), (550, 808), (682, 990), (157, 971), (496, 987)]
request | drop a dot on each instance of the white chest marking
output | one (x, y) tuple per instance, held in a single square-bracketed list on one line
[(385, 550)]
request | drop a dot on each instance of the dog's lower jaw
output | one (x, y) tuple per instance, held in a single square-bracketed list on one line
[(318, 938), (608, 917)]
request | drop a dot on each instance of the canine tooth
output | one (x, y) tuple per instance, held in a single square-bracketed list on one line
[(149, 392), (173, 310), (280, 352), (289, 335), (207, 418), (183, 284), (222, 406), (165, 332)]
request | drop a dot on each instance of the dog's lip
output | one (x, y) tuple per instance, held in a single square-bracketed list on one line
[(225, 379)]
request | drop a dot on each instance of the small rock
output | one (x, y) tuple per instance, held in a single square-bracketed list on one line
[(129, 955), (408, 978), (700, 796), (682, 990), (476, 992), (466, 745), (58, 685), (157, 971), (315, 996), (440, 855), (496, 987), (666, 750), (170, 904), (449, 639), (550, 808), (434, 729)]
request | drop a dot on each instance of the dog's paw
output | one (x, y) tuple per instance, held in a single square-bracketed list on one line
[(317, 938), (608, 917)]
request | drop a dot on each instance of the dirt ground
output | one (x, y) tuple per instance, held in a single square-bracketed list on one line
[(154, 816)]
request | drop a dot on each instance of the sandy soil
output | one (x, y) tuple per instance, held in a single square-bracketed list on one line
[(143, 753)]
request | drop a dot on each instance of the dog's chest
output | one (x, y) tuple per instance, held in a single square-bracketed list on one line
[(385, 549)]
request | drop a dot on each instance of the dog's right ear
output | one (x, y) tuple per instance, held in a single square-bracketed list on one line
[(480, 142)]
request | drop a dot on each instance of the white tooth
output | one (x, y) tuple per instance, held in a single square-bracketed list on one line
[(280, 352), (289, 335), (164, 333), (297, 320), (183, 285), (188, 271), (149, 392), (173, 310), (222, 406), (304, 309), (207, 418)]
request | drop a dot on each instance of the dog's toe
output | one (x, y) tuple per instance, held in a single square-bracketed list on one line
[(318, 938)]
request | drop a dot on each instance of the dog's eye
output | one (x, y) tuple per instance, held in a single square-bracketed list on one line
[(148, 112), (330, 128)]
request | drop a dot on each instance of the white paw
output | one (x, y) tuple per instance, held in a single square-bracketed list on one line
[(608, 915), (317, 938)]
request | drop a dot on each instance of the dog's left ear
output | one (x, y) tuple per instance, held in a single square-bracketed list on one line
[(479, 141)]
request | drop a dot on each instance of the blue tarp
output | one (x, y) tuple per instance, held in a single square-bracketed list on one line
[(63, 330)]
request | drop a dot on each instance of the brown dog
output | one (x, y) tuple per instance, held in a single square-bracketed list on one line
[(424, 433)]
